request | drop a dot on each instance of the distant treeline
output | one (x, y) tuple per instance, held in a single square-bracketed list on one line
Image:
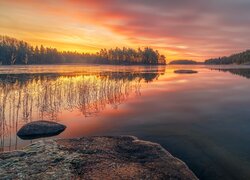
[(240, 58), (183, 62), (13, 51)]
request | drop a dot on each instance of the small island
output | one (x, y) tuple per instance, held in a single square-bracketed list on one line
[(183, 62)]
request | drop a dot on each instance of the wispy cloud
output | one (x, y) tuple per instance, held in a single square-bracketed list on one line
[(193, 29)]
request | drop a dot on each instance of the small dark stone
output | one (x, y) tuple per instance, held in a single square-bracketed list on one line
[(38, 129), (185, 71)]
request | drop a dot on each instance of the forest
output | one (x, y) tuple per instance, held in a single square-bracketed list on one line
[(14, 52), (239, 58)]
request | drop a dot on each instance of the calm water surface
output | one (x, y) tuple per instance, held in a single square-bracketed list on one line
[(203, 118)]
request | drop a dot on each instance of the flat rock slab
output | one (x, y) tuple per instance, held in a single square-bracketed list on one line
[(185, 71), (38, 129), (122, 157)]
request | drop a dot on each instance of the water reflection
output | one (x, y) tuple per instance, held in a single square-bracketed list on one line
[(241, 72), (28, 97), (203, 119)]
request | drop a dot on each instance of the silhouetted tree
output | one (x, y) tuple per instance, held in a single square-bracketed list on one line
[(13, 51), (240, 58)]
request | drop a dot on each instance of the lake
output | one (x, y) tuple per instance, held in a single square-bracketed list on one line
[(202, 118)]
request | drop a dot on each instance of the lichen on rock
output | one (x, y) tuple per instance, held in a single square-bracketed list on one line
[(122, 157)]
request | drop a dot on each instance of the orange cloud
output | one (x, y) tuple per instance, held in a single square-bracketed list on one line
[(186, 29)]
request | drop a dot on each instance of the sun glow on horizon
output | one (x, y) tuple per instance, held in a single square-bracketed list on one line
[(88, 26)]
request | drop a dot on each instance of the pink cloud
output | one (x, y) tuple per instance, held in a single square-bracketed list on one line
[(205, 28)]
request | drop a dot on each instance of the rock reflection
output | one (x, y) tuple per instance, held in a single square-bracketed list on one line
[(28, 97)]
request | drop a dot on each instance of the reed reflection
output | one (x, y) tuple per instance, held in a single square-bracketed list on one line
[(28, 97)]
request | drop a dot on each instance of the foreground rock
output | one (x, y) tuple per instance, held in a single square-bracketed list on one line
[(93, 158), (38, 129), (185, 71)]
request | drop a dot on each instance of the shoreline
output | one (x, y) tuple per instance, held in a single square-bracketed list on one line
[(97, 157)]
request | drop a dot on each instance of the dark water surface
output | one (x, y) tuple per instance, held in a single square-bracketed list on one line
[(203, 118)]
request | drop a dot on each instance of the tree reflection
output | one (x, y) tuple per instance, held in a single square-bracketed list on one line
[(240, 72), (27, 97)]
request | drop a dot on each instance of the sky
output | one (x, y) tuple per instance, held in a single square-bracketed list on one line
[(179, 29)]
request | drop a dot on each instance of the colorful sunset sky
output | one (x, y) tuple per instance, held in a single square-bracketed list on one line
[(180, 29)]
